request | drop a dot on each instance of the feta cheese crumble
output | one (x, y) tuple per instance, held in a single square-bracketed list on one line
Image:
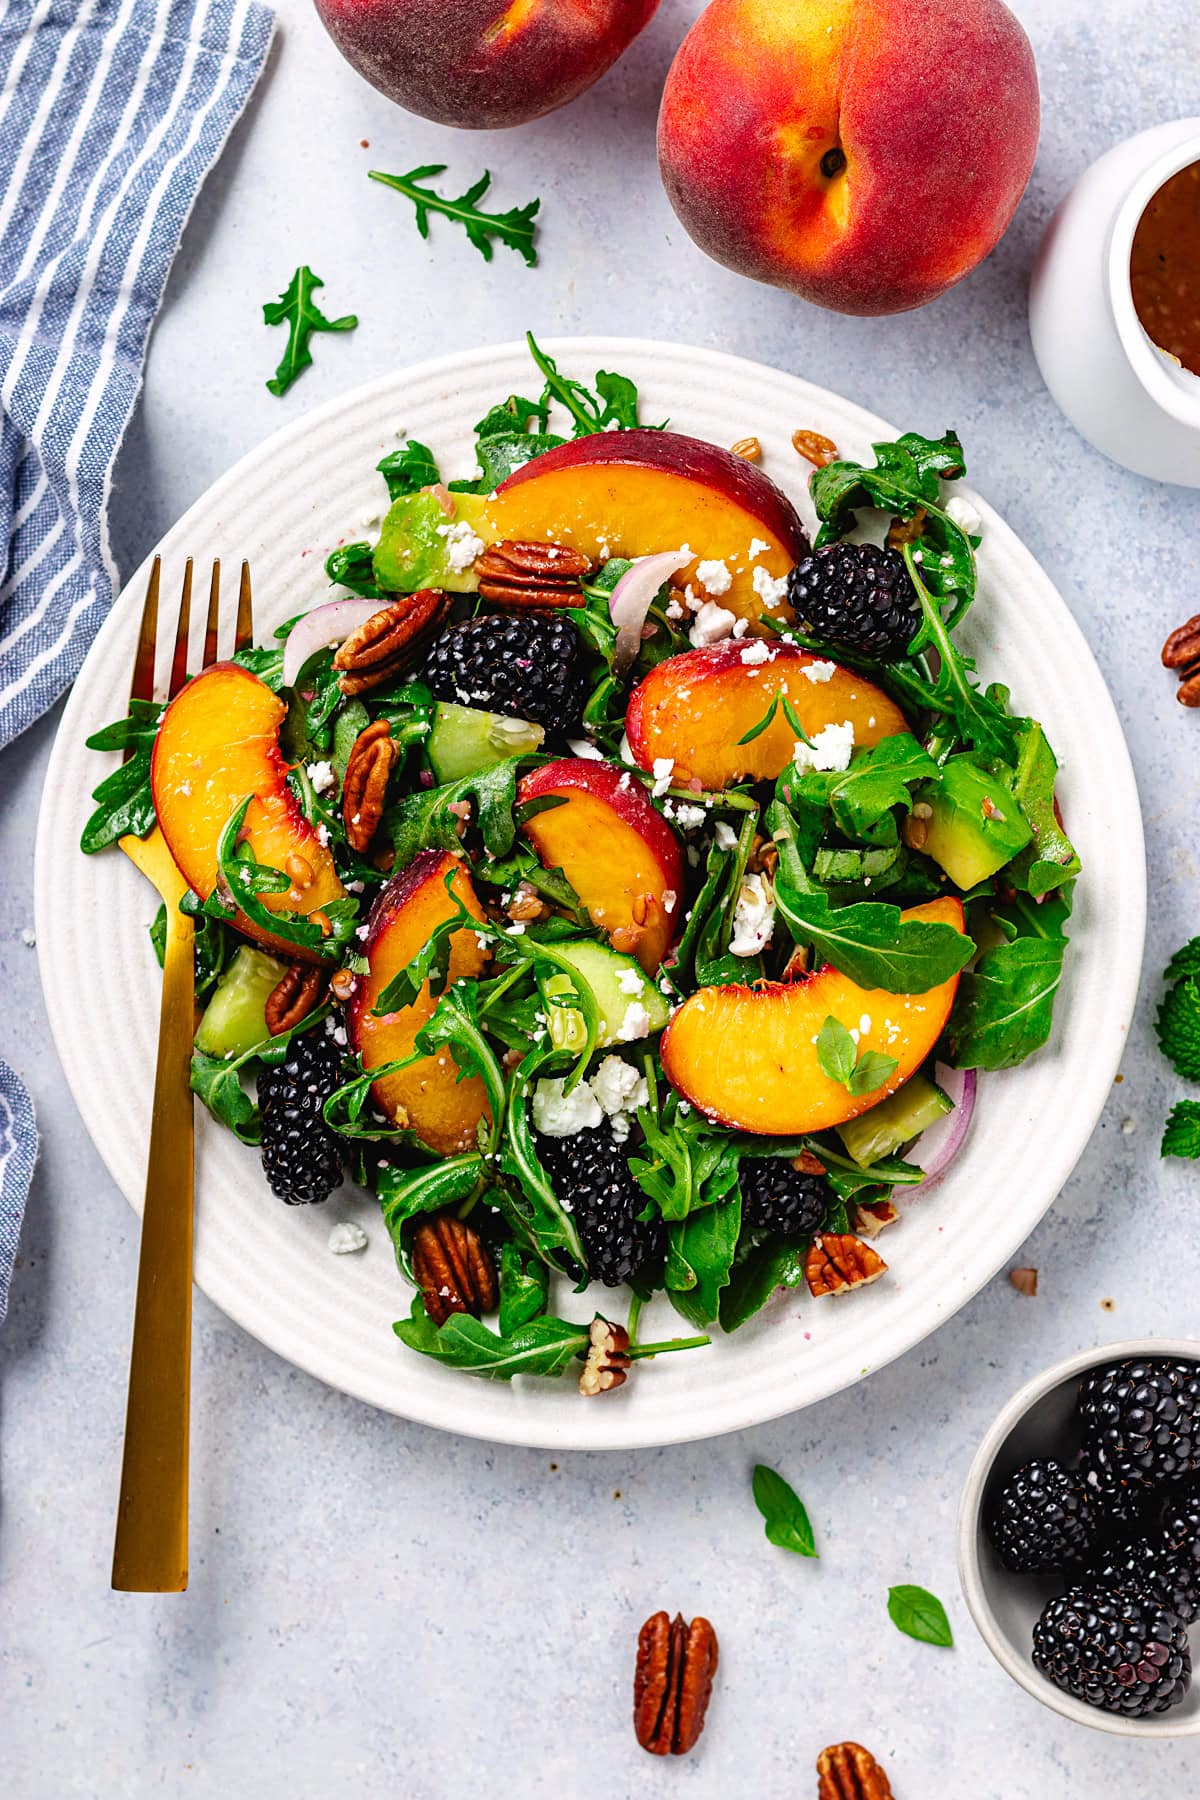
[(322, 776), (664, 768), (757, 652), (714, 577), (712, 623), (964, 515), (756, 548), (630, 981), (635, 1024), (584, 748), (462, 544), (346, 1238), (725, 835), (560, 1115), (831, 749), (618, 1087), (771, 589), (819, 671), (753, 917)]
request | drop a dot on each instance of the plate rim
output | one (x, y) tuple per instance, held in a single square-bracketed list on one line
[(519, 1427)]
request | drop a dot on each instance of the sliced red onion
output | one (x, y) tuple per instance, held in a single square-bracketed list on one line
[(630, 600), (937, 1147), (323, 626)]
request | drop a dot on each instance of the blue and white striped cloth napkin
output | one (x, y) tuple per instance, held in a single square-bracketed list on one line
[(111, 114)]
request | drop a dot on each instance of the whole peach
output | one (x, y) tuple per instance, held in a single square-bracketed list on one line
[(483, 63), (866, 154)]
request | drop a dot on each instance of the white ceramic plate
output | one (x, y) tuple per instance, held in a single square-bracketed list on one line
[(284, 506)]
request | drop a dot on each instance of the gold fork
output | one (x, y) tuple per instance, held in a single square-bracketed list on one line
[(151, 1551)]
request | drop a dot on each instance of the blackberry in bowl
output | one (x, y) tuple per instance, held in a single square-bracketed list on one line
[(1079, 1538)]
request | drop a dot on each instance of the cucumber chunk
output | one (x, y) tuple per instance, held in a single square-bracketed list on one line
[(886, 1128), (627, 1012), (235, 1018), (465, 741)]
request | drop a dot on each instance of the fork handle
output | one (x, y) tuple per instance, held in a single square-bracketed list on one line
[(151, 1551)]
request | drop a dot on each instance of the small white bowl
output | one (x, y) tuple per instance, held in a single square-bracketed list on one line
[(1005, 1607)]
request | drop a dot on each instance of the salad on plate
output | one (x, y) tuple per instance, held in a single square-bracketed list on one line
[(622, 887)]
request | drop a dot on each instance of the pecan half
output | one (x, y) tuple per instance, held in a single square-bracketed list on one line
[(871, 1216), (814, 448), (389, 641), (516, 573), (452, 1268), (1025, 1281), (368, 771), (839, 1261), (848, 1772), (607, 1358), (1188, 691), (1183, 646), (293, 997), (673, 1682)]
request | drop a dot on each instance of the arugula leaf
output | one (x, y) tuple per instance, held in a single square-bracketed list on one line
[(524, 1288), (700, 1252), (787, 1521), (689, 1163), (756, 1278), (297, 309), (245, 880), (859, 1072), (980, 716), (424, 821), (456, 1026), (124, 801), (218, 1083), (1005, 1005), (409, 470), (1051, 859), (919, 1614), (514, 228), (352, 566), (863, 797), (404, 1194), (541, 1346), (536, 1211), (870, 942), (1181, 1135), (613, 405)]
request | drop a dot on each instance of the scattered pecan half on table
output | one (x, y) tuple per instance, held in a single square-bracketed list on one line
[(848, 1772), (368, 770), (452, 1268), (673, 1683), (1181, 652), (529, 575), (390, 641)]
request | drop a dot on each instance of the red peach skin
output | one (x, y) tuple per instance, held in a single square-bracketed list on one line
[(483, 63), (866, 154)]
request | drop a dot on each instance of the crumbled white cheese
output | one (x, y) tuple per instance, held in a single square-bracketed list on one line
[(685, 815), (584, 747), (832, 748), (664, 768), (362, 932), (558, 1115), (322, 834), (620, 1125), (725, 835), (753, 917), (771, 589), (635, 1024), (819, 671), (757, 652), (741, 628), (864, 1024), (462, 544), (715, 577), (346, 1238), (322, 776), (964, 515), (630, 981), (756, 548), (712, 623), (618, 1087)]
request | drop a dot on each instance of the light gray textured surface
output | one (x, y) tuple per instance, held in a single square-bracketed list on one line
[(375, 1607)]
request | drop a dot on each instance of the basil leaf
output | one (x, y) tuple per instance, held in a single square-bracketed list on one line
[(919, 1614), (837, 1052), (787, 1522), (409, 470), (524, 1288), (541, 1347), (700, 1252), (872, 1071)]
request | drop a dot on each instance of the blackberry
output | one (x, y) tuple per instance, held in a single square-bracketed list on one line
[(526, 667), (779, 1201), (1116, 1649), (1118, 1503), (592, 1177), (1041, 1519), (301, 1157), (1148, 1567), (1141, 1419), (858, 596)]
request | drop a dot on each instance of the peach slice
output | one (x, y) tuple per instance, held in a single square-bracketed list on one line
[(628, 493), (219, 741), (747, 1057), (429, 1097), (619, 855), (693, 709)]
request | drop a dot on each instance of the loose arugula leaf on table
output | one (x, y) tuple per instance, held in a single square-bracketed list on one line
[(787, 1522), (700, 1253), (424, 821), (1181, 1134), (297, 309), (514, 228), (1004, 1007), (408, 470), (1051, 858), (541, 1346), (858, 1071), (124, 801), (524, 1288), (919, 1614)]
